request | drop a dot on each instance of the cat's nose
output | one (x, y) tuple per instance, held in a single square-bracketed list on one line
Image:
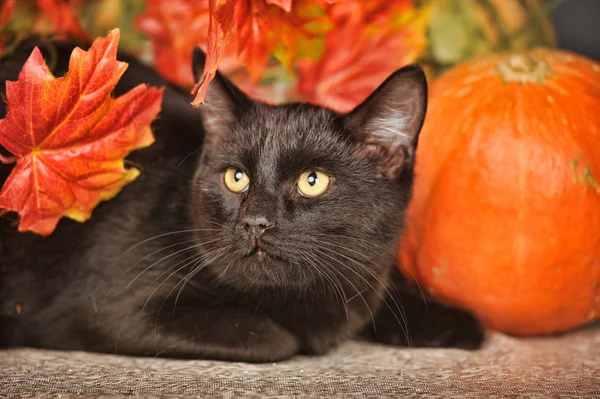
[(259, 224)]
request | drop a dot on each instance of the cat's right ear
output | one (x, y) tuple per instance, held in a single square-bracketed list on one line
[(223, 100), (390, 119)]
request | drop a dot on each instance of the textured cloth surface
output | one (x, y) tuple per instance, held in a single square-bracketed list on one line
[(566, 366)]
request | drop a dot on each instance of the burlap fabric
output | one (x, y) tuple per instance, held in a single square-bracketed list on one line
[(566, 366)]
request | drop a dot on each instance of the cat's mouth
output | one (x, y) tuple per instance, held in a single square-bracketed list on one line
[(258, 252)]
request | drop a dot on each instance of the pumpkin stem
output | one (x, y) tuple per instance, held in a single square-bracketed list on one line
[(523, 68)]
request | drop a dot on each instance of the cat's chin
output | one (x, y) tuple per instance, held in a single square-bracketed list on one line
[(259, 268)]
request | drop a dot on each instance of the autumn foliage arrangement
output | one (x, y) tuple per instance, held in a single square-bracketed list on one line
[(328, 52), (68, 138)]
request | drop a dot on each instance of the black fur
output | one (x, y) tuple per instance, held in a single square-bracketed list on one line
[(167, 267)]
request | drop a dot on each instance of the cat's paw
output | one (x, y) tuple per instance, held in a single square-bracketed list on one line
[(321, 343), (258, 342), (453, 328), (438, 326), (229, 334)]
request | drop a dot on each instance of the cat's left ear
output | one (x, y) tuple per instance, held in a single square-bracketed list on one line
[(390, 119), (224, 101)]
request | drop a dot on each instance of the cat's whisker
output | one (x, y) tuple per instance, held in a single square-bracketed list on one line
[(357, 294), (189, 155), (173, 346), (339, 293), (399, 307), (109, 268), (132, 306), (368, 244), (351, 284), (316, 274), (416, 281), (197, 265), (333, 273), (199, 258), (353, 239), (213, 222), (192, 247), (194, 257), (160, 236), (336, 281), (404, 326), (179, 269), (209, 258), (362, 266), (224, 272), (123, 326), (140, 261)]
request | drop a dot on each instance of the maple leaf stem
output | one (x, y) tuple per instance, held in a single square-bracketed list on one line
[(7, 160), (53, 53)]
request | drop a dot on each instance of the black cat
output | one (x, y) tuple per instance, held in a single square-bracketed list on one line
[(254, 233)]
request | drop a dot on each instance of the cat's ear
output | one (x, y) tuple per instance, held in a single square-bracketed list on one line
[(390, 119), (223, 100)]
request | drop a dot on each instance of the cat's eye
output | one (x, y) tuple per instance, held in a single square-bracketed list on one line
[(312, 183), (236, 180)]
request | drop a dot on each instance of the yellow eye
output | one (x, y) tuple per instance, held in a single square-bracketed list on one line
[(236, 180), (312, 183)]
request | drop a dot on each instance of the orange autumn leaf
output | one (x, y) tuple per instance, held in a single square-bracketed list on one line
[(262, 28), (370, 41), (69, 137)]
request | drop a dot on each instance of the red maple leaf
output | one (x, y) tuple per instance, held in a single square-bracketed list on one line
[(63, 17), (285, 5), (219, 35), (175, 27), (370, 41), (69, 137), (6, 10), (255, 28)]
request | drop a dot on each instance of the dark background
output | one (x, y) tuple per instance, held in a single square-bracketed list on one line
[(577, 24)]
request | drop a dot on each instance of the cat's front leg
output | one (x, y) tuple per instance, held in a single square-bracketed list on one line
[(409, 317), (221, 333), (328, 323)]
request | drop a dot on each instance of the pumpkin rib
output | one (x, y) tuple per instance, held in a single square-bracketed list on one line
[(567, 70), (519, 241), (562, 102), (476, 108)]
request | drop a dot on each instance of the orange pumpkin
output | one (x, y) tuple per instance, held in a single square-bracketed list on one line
[(505, 218)]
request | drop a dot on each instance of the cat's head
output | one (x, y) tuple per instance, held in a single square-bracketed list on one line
[(296, 194)]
